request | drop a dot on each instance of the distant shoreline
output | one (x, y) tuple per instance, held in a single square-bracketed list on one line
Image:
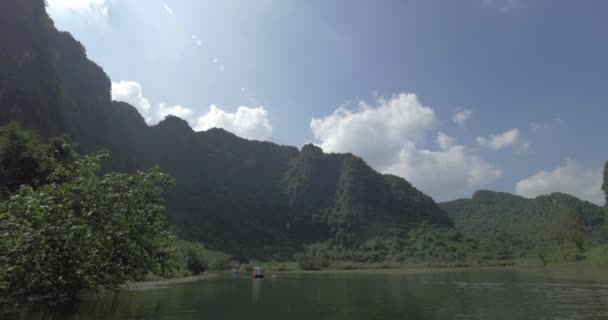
[(566, 272), (154, 284)]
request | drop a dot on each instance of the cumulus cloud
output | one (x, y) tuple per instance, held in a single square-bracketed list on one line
[(177, 110), (444, 141), (462, 116), (506, 139), (375, 133), (80, 6), (131, 93), (250, 123), (388, 137), (447, 174), (570, 178)]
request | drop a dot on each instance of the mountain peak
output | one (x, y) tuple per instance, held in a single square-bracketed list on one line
[(254, 199), (488, 195), (174, 125), (310, 150), (220, 132)]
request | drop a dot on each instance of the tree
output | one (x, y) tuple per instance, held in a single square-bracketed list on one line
[(24, 160), (69, 229), (568, 228), (315, 257), (542, 251)]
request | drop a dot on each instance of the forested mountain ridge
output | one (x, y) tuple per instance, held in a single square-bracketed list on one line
[(253, 199), (497, 216)]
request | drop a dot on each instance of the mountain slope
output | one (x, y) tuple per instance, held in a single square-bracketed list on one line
[(489, 215), (253, 199)]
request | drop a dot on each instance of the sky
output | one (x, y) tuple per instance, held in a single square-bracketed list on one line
[(454, 96)]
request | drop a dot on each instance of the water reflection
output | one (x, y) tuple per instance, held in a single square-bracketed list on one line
[(469, 294), (256, 289)]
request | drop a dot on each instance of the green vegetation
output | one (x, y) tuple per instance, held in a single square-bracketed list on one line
[(269, 266), (315, 257), (550, 229), (67, 229), (191, 258), (562, 240), (256, 200), (26, 161), (70, 222), (424, 245), (278, 198), (502, 221), (605, 189)]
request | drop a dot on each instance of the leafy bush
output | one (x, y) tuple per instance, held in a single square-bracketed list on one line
[(423, 245), (71, 229), (192, 258), (24, 160), (315, 257), (195, 261)]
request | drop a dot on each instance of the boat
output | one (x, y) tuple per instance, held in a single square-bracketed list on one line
[(258, 272)]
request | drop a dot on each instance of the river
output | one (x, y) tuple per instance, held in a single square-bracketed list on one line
[(428, 294)]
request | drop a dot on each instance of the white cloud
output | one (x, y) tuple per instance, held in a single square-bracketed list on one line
[(447, 174), (387, 136), (80, 6), (375, 133), (462, 116), (506, 139), (250, 123), (177, 110), (131, 93), (168, 9), (571, 178), (444, 141)]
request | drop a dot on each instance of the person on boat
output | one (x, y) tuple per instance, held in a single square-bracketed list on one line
[(258, 272)]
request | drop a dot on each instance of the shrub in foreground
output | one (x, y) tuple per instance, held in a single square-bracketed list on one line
[(77, 230)]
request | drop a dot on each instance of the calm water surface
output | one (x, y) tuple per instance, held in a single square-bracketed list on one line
[(470, 294)]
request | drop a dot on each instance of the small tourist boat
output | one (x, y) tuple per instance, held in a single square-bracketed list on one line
[(258, 272)]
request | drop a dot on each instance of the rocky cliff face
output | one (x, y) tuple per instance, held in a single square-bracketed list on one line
[(251, 198)]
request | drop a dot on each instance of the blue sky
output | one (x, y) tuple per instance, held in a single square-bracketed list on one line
[(382, 79)]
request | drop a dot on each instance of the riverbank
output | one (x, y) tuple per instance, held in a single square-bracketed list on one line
[(8, 305), (339, 265), (565, 272), (155, 284), (595, 258)]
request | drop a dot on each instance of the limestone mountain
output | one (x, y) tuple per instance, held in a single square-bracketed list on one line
[(497, 216), (250, 198)]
